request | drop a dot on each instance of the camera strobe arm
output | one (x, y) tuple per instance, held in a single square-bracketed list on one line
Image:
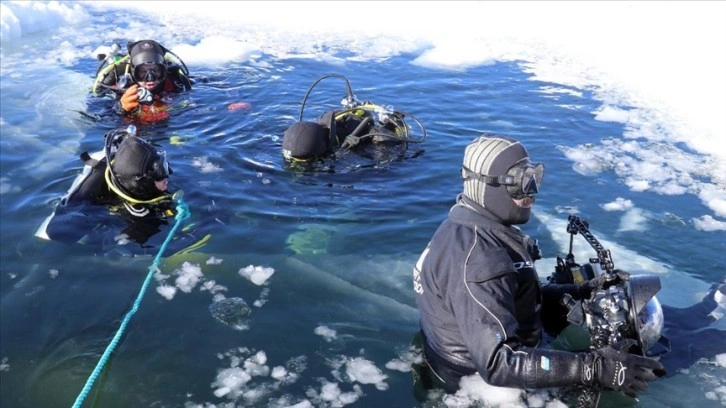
[(577, 225)]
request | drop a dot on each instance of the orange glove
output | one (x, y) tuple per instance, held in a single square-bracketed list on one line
[(130, 98)]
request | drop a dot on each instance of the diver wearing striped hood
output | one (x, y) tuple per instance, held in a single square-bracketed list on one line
[(480, 296), (499, 179)]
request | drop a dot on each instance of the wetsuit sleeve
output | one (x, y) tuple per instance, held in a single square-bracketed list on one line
[(118, 109), (553, 292), (554, 313), (146, 223), (140, 230), (486, 316)]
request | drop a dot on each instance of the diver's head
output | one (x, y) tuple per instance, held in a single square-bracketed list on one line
[(305, 141), (148, 66), (140, 169), (499, 176)]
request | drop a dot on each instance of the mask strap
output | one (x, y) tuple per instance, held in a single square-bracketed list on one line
[(491, 180)]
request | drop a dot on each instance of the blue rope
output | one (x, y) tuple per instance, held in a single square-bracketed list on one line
[(182, 213)]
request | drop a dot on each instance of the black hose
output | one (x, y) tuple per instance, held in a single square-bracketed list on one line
[(349, 90), (361, 125)]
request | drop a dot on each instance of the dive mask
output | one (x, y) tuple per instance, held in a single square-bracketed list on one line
[(522, 180), (149, 72), (160, 168)]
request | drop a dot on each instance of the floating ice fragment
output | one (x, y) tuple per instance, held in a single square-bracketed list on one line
[(230, 311)]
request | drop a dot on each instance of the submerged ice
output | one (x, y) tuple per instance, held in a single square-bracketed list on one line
[(230, 311)]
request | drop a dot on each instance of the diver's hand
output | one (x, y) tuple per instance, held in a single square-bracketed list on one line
[(616, 369), (130, 98)]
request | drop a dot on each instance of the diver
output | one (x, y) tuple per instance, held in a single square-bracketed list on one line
[(481, 301), (130, 177), (142, 81), (357, 125)]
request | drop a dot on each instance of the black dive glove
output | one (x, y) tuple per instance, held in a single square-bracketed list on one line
[(615, 369)]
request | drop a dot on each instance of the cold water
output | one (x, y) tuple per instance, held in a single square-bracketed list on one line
[(322, 260)]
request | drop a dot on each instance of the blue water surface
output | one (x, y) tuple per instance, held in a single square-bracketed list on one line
[(341, 239)]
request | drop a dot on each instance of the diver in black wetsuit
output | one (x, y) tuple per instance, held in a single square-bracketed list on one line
[(357, 125), (142, 80), (130, 177), (480, 297)]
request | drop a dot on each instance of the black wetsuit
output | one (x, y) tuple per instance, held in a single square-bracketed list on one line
[(88, 207), (480, 301)]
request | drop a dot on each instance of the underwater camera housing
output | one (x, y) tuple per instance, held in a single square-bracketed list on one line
[(624, 306)]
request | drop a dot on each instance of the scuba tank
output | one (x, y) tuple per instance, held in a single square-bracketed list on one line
[(112, 72), (113, 56), (86, 188)]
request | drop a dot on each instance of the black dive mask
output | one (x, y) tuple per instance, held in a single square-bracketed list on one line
[(160, 168), (522, 180), (149, 72), (527, 177)]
